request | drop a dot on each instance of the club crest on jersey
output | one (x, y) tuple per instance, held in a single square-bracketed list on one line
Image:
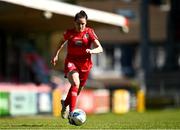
[(70, 64), (86, 36)]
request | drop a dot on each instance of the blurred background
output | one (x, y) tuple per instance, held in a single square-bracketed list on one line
[(138, 70)]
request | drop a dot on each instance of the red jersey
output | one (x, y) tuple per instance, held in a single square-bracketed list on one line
[(77, 57), (78, 42)]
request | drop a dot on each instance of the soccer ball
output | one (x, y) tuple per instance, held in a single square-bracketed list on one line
[(78, 117)]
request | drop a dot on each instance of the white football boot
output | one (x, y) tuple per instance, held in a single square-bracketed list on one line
[(64, 112), (70, 118)]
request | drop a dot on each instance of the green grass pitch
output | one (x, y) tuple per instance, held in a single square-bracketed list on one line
[(165, 119)]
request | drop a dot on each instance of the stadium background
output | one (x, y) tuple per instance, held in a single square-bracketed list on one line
[(137, 70)]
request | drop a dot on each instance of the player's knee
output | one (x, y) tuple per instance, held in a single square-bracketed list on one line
[(73, 77), (76, 83)]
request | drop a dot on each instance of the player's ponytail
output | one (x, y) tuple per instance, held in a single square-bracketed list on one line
[(81, 14)]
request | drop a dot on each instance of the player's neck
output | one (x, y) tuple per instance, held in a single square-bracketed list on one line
[(78, 31)]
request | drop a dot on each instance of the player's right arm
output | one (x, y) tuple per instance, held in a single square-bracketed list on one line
[(61, 45)]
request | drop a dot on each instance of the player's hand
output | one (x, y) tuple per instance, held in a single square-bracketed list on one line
[(89, 51), (54, 60)]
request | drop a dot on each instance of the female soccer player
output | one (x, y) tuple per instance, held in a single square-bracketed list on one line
[(81, 43)]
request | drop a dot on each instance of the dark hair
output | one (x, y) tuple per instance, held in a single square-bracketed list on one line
[(81, 14)]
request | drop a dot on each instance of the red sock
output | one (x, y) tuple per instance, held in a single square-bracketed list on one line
[(73, 97), (68, 98)]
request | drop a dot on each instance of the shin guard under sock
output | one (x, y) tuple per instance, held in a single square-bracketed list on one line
[(73, 97)]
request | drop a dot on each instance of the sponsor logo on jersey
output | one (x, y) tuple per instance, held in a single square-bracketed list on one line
[(78, 43)]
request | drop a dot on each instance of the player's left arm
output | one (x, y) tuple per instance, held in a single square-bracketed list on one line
[(97, 48)]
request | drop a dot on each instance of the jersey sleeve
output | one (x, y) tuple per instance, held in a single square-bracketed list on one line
[(92, 35), (66, 35)]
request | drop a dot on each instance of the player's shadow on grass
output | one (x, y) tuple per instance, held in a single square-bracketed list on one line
[(28, 125)]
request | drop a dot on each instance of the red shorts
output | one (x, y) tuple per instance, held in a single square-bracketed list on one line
[(82, 66)]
